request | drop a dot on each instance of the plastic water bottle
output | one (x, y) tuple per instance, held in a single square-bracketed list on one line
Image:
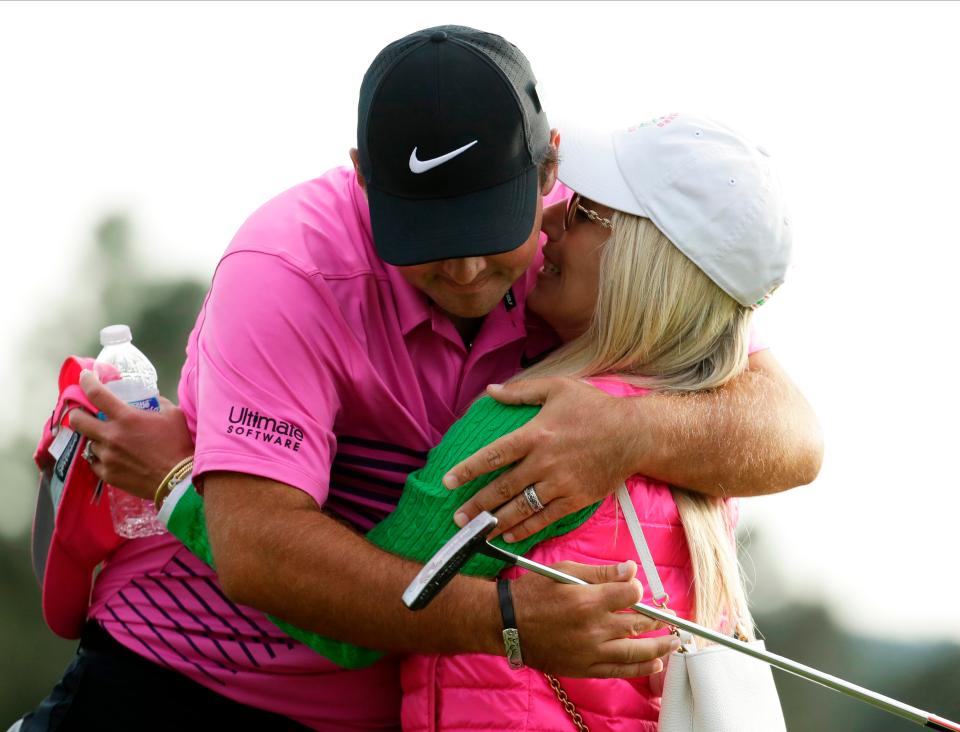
[(133, 517)]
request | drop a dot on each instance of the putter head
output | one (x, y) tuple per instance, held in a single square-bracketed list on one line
[(447, 562)]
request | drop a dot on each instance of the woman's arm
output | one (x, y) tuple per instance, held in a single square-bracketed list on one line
[(135, 449)]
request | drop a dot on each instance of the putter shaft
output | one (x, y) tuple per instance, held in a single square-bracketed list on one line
[(913, 714)]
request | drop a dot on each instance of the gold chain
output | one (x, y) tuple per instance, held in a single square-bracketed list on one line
[(567, 704)]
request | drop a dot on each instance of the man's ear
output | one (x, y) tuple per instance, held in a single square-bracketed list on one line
[(355, 158), (551, 179)]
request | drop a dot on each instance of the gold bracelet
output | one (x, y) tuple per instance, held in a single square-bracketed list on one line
[(180, 471)]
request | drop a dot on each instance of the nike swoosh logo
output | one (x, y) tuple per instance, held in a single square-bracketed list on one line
[(422, 166)]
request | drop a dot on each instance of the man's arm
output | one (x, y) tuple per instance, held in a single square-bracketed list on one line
[(274, 550), (755, 435)]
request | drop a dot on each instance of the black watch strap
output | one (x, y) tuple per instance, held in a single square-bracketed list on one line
[(511, 638)]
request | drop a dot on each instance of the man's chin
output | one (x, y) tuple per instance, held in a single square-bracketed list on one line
[(469, 306)]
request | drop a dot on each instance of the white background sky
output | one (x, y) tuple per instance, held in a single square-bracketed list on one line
[(190, 115)]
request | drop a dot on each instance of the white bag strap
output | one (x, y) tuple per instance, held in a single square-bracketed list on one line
[(643, 551)]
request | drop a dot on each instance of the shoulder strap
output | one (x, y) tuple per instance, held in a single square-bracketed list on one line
[(643, 551)]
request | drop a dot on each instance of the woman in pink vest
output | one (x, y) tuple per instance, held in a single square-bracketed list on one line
[(677, 232)]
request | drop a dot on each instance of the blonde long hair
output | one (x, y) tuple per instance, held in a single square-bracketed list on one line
[(662, 324)]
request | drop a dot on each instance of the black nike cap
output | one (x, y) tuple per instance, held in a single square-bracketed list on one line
[(450, 132)]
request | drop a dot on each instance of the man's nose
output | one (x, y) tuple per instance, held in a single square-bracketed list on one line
[(552, 222), (464, 270)]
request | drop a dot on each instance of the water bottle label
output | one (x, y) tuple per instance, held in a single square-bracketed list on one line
[(152, 404)]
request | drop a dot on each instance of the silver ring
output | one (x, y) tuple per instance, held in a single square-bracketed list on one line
[(533, 500), (87, 453)]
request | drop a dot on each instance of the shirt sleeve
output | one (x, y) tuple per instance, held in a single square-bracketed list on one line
[(268, 373)]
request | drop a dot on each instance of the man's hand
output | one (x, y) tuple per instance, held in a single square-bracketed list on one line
[(575, 452), (754, 435), (584, 635), (134, 448)]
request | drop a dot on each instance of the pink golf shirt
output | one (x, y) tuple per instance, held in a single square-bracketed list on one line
[(315, 364)]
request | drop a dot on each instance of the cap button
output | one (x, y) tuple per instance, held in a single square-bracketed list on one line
[(439, 37)]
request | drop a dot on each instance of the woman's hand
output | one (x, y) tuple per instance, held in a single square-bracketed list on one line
[(575, 452), (134, 449)]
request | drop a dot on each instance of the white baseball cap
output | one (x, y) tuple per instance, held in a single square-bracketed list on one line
[(710, 191)]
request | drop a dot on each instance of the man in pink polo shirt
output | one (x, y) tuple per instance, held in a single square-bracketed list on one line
[(351, 320)]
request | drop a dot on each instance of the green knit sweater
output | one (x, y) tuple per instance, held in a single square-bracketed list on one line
[(422, 521)]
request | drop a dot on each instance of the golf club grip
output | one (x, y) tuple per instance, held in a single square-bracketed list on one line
[(880, 701)]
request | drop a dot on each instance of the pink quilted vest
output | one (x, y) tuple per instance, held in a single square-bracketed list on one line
[(471, 692)]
